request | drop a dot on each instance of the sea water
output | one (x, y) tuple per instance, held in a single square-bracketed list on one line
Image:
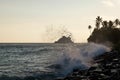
[(45, 61)]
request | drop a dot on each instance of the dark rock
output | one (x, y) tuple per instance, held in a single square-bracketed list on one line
[(64, 39), (106, 69)]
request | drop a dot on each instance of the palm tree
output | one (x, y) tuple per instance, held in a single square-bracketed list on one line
[(98, 21), (117, 21), (105, 24), (110, 23), (90, 27)]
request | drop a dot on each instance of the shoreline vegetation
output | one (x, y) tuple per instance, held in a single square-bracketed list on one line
[(106, 33), (107, 65)]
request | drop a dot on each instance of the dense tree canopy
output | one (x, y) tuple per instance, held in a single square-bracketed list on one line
[(108, 32)]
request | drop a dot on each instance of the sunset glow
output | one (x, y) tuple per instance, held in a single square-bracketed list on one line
[(27, 20)]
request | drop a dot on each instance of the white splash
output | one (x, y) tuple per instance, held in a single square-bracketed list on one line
[(73, 56)]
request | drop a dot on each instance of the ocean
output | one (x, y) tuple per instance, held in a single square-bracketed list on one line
[(45, 61)]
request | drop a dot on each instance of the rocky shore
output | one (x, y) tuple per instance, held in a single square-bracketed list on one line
[(106, 67)]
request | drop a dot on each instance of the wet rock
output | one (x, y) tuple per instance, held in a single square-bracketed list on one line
[(106, 67)]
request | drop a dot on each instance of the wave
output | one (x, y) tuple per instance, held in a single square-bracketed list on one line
[(78, 57), (63, 59)]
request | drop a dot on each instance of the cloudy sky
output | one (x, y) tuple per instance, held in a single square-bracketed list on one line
[(27, 20)]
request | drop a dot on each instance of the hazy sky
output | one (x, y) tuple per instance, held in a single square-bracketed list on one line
[(27, 20)]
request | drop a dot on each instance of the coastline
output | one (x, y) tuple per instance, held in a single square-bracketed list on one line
[(106, 67)]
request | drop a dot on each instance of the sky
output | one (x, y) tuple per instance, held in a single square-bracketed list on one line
[(28, 21)]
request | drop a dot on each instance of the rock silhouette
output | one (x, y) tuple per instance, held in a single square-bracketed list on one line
[(64, 39)]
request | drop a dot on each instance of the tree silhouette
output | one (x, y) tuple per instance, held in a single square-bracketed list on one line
[(105, 24), (110, 23), (108, 32), (117, 22), (98, 21), (90, 27)]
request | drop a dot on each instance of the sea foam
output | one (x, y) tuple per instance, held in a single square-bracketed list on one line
[(73, 56)]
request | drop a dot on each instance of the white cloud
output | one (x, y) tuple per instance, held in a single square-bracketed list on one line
[(109, 3)]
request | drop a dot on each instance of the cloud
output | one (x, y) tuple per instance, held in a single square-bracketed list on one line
[(109, 3)]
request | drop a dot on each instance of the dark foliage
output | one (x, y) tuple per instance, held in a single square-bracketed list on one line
[(108, 32)]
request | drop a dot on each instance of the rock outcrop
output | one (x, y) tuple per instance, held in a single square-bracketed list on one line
[(106, 67), (64, 39)]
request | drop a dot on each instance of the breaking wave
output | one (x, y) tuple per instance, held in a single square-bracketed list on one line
[(74, 56), (46, 61)]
